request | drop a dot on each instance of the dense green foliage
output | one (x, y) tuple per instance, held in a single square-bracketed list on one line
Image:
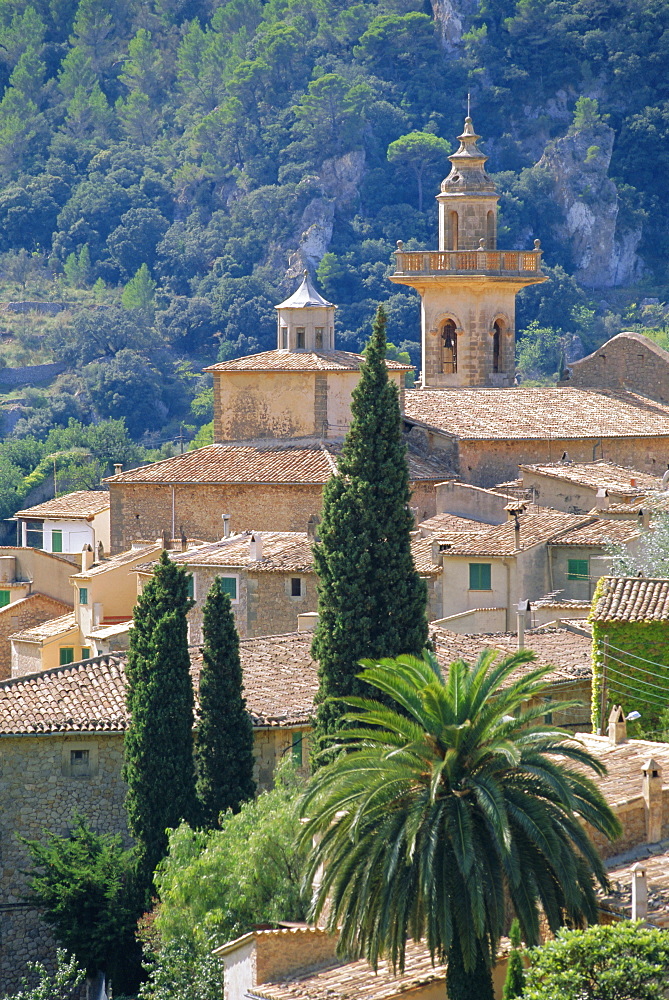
[(163, 160), (515, 975), (84, 883), (64, 984), (620, 961), (447, 806), (371, 601), (224, 751), (216, 885), (177, 972), (158, 766)]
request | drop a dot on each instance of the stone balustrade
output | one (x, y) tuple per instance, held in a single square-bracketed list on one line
[(494, 262)]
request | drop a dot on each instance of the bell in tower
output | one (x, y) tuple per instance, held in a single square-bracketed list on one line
[(468, 287)]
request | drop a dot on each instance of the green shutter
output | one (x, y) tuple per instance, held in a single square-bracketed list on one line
[(56, 541), (5, 597), (85, 652), (229, 586), (297, 749), (577, 569), (66, 655), (83, 595), (480, 576)]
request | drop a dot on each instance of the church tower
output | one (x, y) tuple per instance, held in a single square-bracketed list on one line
[(468, 287)]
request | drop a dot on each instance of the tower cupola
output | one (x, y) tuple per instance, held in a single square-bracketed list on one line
[(468, 198), (305, 321)]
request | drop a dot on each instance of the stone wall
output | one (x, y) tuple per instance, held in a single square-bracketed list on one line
[(632, 815), (30, 611), (627, 361)]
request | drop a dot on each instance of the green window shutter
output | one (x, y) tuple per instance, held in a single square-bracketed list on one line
[(229, 586), (5, 597), (66, 655), (577, 569), (297, 749), (56, 541), (85, 652), (480, 576), (83, 595)]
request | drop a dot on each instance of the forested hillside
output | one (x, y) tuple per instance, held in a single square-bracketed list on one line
[(167, 168)]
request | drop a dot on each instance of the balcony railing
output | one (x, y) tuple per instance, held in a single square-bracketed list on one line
[(495, 262)]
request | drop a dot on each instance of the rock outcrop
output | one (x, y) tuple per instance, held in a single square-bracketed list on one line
[(604, 251)]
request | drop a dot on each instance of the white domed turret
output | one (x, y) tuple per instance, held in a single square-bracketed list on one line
[(305, 320)]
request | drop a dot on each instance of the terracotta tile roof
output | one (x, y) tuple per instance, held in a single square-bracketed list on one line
[(595, 474), (657, 503), (632, 599), (655, 860), (536, 414), (602, 532), (569, 653), (282, 552), (118, 561), (300, 361), (280, 681), (270, 464), (47, 630), (622, 782), (82, 504), (500, 539), (451, 524), (356, 980)]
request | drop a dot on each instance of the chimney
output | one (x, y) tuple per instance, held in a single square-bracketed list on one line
[(312, 527), (602, 501), (651, 784), (307, 621), (633, 481), (226, 525), (118, 468), (521, 618), (166, 539), (87, 558), (617, 726), (644, 518), (639, 892), (255, 547), (184, 540), (516, 530)]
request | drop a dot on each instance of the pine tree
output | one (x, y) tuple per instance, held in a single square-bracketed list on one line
[(224, 754), (515, 975), (158, 765), (371, 600)]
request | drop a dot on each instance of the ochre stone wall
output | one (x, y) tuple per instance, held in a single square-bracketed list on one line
[(626, 362), (23, 614), (633, 819)]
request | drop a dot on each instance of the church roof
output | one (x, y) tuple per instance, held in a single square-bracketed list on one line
[(537, 414), (271, 464), (305, 297), (300, 361)]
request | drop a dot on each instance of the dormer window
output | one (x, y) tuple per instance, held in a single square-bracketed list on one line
[(299, 333)]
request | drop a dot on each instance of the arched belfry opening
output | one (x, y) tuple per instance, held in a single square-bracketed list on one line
[(449, 348), (497, 330)]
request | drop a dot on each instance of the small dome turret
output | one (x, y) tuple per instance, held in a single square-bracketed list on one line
[(305, 320)]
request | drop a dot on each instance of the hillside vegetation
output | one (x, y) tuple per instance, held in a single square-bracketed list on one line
[(168, 168)]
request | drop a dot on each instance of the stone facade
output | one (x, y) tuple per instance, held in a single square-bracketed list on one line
[(628, 361), (23, 614)]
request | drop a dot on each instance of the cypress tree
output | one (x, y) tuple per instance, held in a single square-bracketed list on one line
[(371, 601), (224, 749), (514, 983), (158, 766)]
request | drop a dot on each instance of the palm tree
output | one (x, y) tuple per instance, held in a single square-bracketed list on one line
[(435, 813)]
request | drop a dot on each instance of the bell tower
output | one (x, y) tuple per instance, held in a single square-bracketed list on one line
[(468, 287)]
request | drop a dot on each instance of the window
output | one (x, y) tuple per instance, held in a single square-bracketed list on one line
[(5, 597), (297, 749), (577, 569), (299, 332), (83, 595), (319, 338), (35, 534), (496, 346), (56, 541), (295, 586), (284, 337), (479, 576), (191, 587), (66, 655), (229, 586), (548, 717), (449, 348), (85, 652), (80, 764)]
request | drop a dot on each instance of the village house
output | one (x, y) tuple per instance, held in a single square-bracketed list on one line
[(627, 362), (578, 488), (67, 523)]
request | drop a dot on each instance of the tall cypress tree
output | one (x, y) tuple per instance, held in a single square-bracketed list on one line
[(371, 601), (158, 766), (224, 753)]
